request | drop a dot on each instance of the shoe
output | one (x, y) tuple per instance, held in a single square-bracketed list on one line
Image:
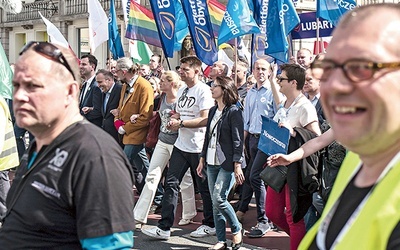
[(223, 247), (203, 231), (139, 225), (240, 216), (259, 230), (237, 246), (184, 222), (157, 233)]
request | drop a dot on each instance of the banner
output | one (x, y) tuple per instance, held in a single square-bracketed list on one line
[(114, 42), (237, 21), (258, 39), (308, 27), (97, 21), (164, 16), (201, 30), (273, 139), (282, 19), (333, 10)]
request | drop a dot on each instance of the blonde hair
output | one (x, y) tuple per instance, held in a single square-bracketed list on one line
[(172, 76)]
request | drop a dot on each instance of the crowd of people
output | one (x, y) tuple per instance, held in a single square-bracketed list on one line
[(73, 187)]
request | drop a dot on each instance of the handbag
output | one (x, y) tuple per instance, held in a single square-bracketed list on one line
[(154, 126), (274, 177)]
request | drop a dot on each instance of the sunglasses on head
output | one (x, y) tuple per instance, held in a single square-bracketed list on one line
[(49, 51)]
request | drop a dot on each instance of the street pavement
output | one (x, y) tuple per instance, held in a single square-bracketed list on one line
[(181, 240)]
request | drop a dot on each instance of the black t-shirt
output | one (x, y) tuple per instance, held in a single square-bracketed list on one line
[(79, 187), (352, 196)]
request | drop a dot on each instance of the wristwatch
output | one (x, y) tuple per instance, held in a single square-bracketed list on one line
[(181, 124)]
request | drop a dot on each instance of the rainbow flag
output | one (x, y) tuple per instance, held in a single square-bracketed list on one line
[(216, 10), (141, 25)]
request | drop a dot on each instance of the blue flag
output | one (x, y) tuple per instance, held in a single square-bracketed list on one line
[(237, 21), (282, 19), (331, 10), (200, 28), (114, 38), (181, 26), (258, 39), (164, 16)]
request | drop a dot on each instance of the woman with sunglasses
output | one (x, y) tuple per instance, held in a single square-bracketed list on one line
[(222, 158)]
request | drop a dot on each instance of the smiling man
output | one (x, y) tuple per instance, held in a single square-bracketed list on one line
[(359, 92)]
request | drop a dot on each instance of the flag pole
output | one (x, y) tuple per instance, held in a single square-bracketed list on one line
[(236, 59), (318, 42), (109, 60)]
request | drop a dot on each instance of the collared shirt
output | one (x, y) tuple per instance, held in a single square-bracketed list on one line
[(258, 102), (87, 86), (314, 100)]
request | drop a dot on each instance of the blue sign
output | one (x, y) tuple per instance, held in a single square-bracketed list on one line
[(308, 27), (273, 139)]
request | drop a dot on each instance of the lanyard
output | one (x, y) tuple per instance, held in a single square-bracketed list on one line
[(323, 229)]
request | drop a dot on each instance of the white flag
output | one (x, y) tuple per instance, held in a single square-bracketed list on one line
[(98, 25), (55, 34)]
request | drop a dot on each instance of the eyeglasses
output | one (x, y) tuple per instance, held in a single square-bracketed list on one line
[(280, 79), (356, 70), (49, 51), (214, 85)]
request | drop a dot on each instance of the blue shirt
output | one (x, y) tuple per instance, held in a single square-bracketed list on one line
[(258, 102)]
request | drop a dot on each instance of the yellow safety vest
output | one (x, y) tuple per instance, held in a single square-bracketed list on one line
[(374, 224), (8, 153)]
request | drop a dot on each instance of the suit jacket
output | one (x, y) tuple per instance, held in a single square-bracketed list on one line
[(108, 118), (139, 101), (230, 135), (93, 99)]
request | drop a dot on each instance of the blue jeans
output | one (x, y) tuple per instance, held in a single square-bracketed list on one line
[(179, 163), (4, 187), (137, 157), (220, 183)]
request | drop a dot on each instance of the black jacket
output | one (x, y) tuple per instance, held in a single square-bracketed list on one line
[(108, 118), (230, 135), (302, 176)]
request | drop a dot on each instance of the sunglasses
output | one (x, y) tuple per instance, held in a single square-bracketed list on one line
[(356, 70), (49, 51)]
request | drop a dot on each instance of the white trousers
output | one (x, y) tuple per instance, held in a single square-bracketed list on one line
[(162, 153)]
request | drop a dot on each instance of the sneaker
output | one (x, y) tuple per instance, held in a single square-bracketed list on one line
[(203, 231), (157, 233), (184, 222), (259, 230)]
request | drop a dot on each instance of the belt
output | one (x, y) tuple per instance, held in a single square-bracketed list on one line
[(256, 135)]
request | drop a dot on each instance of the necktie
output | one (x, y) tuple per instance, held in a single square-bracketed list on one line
[(106, 101), (83, 92), (128, 89)]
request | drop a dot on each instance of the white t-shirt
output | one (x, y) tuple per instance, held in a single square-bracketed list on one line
[(190, 102), (300, 114)]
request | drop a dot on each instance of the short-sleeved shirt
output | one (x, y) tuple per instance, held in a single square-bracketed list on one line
[(300, 114), (190, 102), (79, 187), (166, 111)]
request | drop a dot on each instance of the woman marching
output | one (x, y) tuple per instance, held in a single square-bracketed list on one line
[(222, 152)]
